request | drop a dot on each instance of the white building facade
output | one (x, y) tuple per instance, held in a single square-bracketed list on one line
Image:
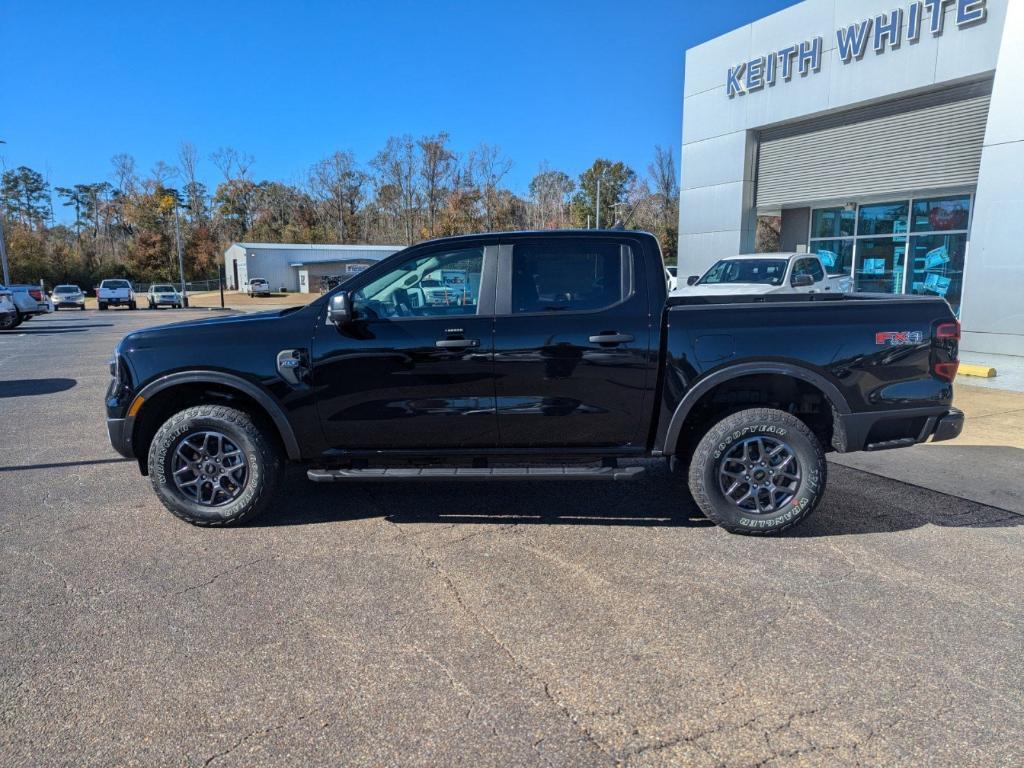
[(298, 267), (885, 135)]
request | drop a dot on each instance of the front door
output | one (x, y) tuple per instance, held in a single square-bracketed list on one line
[(572, 356), (414, 369)]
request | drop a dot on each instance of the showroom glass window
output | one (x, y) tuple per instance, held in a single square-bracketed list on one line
[(832, 231), (902, 246)]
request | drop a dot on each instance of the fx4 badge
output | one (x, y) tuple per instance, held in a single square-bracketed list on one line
[(898, 338)]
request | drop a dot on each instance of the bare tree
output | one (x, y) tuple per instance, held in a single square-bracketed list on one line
[(234, 165), (124, 173), (492, 166), (162, 173), (436, 166), (195, 190), (550, 192), (397, 169), (337, 184)]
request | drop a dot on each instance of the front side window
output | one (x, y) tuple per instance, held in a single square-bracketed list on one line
[(573, 275), (751, 271), (809, 267), (437, 284)]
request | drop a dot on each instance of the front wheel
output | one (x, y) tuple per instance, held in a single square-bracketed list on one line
[(213, 465), (758, 471), (132, 305)]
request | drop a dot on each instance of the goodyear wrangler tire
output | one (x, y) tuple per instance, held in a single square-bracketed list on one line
[(759, 471), (213, 466)]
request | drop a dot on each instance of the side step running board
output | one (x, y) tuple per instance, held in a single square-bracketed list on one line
[(472, 473)]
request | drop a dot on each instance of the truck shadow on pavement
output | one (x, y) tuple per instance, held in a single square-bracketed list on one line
[(30, 387), (42, 329), (856, 503)]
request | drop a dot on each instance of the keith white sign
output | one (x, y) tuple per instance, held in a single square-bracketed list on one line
[(886, 30)]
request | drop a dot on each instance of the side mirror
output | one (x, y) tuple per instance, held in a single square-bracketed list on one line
[(339, 309), (692, 279), (801, 281)]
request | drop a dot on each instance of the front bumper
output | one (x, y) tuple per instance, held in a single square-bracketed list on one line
[(898, 428), (120, 433)]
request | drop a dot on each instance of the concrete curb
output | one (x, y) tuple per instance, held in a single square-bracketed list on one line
[(981, 371)]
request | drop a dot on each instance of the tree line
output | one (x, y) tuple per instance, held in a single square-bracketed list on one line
[(412, 189)]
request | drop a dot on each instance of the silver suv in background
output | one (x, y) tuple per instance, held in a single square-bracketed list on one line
[(257, 286), (163, 295), (68, 296)]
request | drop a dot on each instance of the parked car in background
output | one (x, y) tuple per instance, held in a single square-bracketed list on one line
[(672, 278), (68, 296), (28, 300), (8, 314), (257, 286), (115, 293), (766, 273), (163, 295)]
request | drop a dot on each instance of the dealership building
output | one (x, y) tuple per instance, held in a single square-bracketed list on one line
[(885, 136), (298, 266)]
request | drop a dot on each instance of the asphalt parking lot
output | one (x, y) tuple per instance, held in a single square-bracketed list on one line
[(551, 625)]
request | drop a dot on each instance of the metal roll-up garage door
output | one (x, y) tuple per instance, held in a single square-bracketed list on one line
[(921, 142)]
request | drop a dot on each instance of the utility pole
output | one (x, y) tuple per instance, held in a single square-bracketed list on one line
[(181, 256), (3, 245), (598, 212)]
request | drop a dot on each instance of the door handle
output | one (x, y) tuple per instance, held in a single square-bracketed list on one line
[(611, 338), (456, 343)]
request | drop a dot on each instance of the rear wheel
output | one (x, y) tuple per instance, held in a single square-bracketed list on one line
[(132, 305), (758, 471), (102, 305), (213, 466)]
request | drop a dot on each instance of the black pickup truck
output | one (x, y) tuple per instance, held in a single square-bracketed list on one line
[(535, 356)]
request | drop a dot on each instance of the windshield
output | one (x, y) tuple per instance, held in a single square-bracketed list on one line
[(115, 284), (674, 271), (66, 289), (257, 281), (163, 289), (757, 271)]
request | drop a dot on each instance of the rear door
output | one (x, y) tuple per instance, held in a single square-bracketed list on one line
[(573, 341)]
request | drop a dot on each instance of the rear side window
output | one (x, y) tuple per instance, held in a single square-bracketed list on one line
[(115, 285), (573, 275)]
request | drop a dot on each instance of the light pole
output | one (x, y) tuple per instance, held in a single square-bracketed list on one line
[(181, 256), (3, 245)]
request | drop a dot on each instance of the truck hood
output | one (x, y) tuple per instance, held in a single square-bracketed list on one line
[(242, 324), (726, 289)]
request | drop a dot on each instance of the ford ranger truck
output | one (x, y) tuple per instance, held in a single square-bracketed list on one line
[(571, 360)]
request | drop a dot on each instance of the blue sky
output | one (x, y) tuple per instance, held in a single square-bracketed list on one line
[(291, 82)]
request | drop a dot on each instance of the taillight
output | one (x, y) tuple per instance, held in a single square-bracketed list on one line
[(35, 293), (946, 350), (948, 331)]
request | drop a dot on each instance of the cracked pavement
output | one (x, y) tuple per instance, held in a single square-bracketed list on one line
[(494, 625)]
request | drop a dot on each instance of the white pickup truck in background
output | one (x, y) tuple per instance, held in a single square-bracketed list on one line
[(115, 293), (765, 273)]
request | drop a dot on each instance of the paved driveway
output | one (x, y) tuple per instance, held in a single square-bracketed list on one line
[(552, 625)]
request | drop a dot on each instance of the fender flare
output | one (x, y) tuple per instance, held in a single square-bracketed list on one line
[(284, 427), (705, 385)]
